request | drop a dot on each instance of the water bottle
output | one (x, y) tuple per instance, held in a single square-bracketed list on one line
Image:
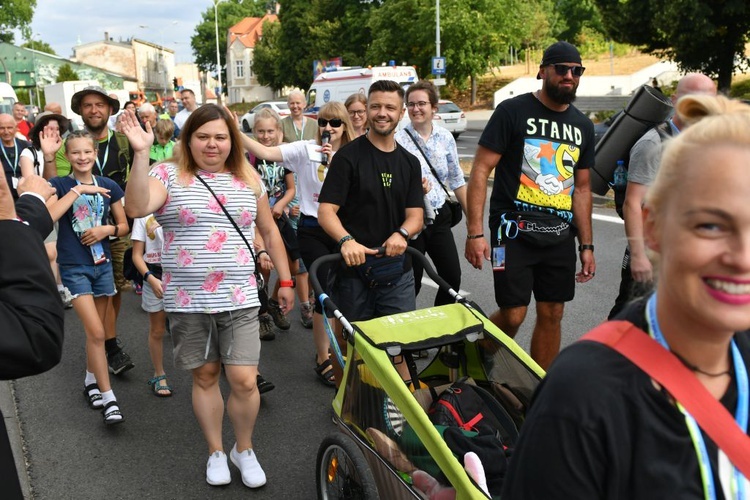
[(621, 176)]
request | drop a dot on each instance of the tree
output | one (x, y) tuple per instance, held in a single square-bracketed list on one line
[(267, 58), (700, 35), (203, 42), (66, 74), (15, 14), (296, 51), (40, 46)]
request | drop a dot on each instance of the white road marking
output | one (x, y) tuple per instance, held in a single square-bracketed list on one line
[(465, 156), (427, 281), (607, 218)]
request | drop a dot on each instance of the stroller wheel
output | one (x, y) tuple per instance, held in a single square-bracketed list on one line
[(342, 471)]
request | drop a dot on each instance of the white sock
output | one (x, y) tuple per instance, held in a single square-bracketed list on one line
[(90, 378), (60, 287), (108, 396)]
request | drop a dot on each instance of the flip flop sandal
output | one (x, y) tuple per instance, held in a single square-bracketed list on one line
[(154, 383), (325, 372), (109, 416), (93, 397)]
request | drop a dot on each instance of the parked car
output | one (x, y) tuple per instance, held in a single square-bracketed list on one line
[(451, 117), (248, 119)]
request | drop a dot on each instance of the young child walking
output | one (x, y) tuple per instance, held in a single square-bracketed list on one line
[(148, 239), (83, 256)]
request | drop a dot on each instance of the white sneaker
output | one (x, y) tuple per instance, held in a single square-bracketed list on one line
[(252, 474), (217, 469)]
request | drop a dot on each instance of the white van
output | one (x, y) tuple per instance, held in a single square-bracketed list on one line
[(7, 98), (337, 85)]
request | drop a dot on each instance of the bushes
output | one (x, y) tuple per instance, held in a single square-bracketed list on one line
[(740, 89)]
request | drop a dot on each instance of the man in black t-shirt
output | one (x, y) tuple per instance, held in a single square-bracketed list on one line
[(372, 197), (541, 148)]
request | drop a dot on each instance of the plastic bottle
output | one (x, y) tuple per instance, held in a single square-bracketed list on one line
[(620, 176)]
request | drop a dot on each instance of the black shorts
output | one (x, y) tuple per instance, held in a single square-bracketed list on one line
[(315, 243), (289, 236), (549, 272)]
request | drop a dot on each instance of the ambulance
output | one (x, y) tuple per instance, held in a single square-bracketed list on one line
[(337, 85)]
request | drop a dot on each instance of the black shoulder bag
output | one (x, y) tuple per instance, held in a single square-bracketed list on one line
[(454, 206), (262, 295)]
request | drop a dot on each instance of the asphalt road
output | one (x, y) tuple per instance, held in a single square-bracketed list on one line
[(467, 141), (159, 453)]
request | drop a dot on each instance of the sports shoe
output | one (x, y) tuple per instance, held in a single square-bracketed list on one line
[(266, 327), (66, 297), (217, 469), (306, 315), (264, 385), (119, 363), (138, 288), (278, 317), (252, 473)]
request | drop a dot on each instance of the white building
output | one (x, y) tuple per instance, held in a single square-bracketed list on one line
[(242, 85)]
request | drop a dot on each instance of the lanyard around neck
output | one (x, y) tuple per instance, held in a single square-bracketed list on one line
[(13, 165), (106, 154), (737, 483), (299, 133)]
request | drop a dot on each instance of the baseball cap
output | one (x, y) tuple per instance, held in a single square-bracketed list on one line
[(559, 52), (75, 101)]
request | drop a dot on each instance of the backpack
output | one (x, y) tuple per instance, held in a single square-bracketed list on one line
[(37, 170), (665, 132)]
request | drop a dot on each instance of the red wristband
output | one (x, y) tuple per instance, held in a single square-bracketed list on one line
[(286, 283)]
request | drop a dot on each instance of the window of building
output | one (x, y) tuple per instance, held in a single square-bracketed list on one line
[(239, 69)]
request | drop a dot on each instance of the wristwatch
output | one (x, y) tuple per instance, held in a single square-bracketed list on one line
[(581, 248), (145, 276), (287, 283), (403, 232)]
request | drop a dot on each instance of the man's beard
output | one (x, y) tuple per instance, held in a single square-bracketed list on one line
[(386, 132), (560, 96)]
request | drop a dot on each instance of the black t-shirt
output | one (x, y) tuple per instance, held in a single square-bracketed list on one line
[(11, 160), (598, 428), (540, 151), (373, 189)]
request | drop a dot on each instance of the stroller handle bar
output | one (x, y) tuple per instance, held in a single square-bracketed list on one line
[(428, 267)]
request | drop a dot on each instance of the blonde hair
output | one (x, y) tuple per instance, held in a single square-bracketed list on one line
[(236, 162), (710, 121), (164, 129), (336, 109)]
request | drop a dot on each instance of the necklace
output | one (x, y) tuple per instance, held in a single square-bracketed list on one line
[(695, 369)]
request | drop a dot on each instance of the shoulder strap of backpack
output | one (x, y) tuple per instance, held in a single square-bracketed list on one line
[(124, 150), (665, 131)]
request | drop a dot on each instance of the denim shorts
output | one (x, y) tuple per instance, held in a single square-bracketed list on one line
[(88, 279)]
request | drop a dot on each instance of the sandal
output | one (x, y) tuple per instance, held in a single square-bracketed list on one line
[(110, 417), (325, 372), (156, 386), (93, 397)]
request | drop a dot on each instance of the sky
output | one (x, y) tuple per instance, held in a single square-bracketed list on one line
[(65, 23)]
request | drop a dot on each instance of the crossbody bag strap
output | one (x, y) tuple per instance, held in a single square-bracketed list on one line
[(432, 169), (664, 367), (226, 212)]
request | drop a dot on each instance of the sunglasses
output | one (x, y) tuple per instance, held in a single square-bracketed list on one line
[(562, 70), (335, 122)]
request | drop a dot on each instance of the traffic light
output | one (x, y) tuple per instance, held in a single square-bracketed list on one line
[(174, 84)]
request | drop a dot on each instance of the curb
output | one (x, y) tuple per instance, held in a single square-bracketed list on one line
[(13, 426)]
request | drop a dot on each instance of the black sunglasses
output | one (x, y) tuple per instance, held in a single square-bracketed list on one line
[(335, 122), (562, 70)]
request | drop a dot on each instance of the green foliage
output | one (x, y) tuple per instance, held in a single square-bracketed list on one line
[(203, 42), (578, 17), (66, 74), (15, 14), (708, 36), (23, 95), (267, 58), (295, 42), (40, 46), (740, 90)]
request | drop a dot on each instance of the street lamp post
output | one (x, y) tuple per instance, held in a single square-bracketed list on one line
[(218, 54)]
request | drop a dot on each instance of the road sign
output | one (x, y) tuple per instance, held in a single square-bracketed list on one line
[(438, 65), (439, 82)]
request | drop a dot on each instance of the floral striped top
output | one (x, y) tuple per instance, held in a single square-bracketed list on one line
[(207, 266)]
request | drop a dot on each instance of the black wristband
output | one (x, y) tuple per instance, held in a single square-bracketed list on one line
[(263, 252), (474, 236), (581, 248), (145, 276), (117, 230), (346, 238)]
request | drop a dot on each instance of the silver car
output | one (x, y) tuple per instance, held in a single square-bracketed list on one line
[(248, 119), (450, 116)]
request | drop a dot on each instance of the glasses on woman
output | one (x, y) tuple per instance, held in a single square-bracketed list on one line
[(335, 122), (356, 112), (420, 104)]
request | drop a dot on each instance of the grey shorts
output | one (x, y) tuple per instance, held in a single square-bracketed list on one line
[(230, 336), (357, 302), (150, 302)]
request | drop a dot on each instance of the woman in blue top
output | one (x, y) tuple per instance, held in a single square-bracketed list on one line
[(83, 206)]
